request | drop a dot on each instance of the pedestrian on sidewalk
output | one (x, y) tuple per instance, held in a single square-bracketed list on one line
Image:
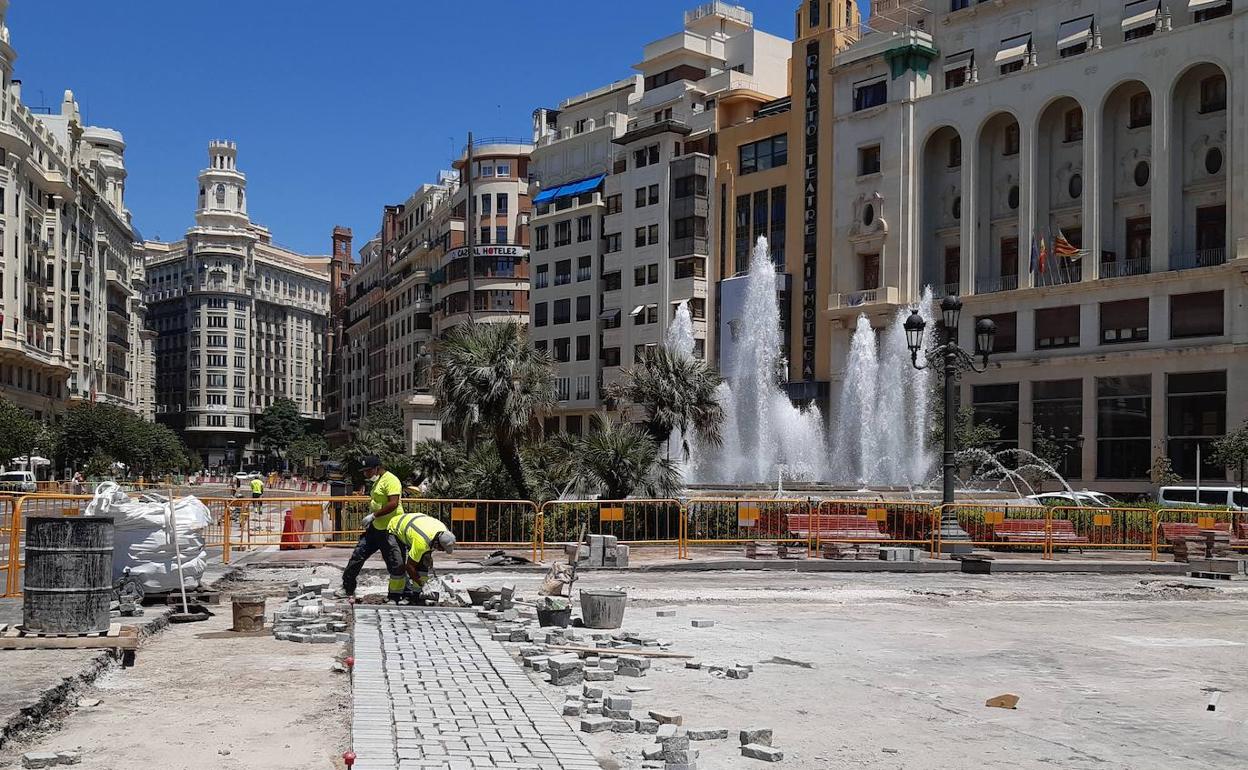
[(418, 535), (384, 505)]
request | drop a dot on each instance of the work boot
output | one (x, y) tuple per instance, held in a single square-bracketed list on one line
[(343, 593)]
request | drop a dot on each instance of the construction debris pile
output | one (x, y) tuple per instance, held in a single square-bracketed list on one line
[(310, 615), (598, 551)]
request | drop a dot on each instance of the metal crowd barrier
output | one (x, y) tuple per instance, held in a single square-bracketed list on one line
[(1173, 523), (632, 522), (886, 522), (999, 526), (717, 521)]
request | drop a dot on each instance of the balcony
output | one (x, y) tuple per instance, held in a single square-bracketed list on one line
[(118, 309), (115, 278), (1060, 273), (1125, 267), (119, 341), (1200, 258), (118, 371), (992, 285), (885, 295)]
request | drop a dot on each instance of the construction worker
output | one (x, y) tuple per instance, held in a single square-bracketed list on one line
[(257, 488), (383, 506), (419, 535)]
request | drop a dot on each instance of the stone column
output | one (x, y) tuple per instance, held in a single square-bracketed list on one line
[(1162, 170)]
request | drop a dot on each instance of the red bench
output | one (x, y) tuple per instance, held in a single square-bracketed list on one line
[(1174, 530), (1032, 531), (835, 527)]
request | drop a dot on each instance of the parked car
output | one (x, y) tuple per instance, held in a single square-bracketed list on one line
[(18, 481), (1210, 497), (1084, 498)]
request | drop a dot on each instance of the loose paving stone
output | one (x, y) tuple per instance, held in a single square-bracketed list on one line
[(737, 673), (707, 733), (703, 623), (667, 718), (759, 736), (593, 724), (765, 753), (652, 752), (432, 690), (39, 759), (665, 613)]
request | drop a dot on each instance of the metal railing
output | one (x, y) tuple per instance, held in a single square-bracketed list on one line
[(719, 521), (1201, 258), (1125, 267), (991, 285)]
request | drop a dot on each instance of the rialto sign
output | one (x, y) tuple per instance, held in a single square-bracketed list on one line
[(810, 210)]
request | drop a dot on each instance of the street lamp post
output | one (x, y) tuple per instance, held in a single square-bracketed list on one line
[(952, 359)]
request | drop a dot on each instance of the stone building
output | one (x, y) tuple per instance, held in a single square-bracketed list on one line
[(241, 321)]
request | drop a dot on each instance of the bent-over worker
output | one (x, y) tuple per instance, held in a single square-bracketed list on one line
[(419, 535), (383, 505)]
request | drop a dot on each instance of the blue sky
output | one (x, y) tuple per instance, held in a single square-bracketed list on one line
[(338, 107)]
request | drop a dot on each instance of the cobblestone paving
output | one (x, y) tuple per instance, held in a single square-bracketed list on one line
[(431, 690)]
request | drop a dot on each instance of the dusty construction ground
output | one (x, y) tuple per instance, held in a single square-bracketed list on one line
[(203, 697), (892, 671)]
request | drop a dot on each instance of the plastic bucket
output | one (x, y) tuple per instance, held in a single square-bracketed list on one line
[(557, 618), (603, 609)]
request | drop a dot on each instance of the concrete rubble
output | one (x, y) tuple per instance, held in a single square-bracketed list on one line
[(51, 758), (310, 615)]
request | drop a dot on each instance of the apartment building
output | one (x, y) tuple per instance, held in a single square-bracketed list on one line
[(411, 284), (767, 184), (657, 238), (570, 291), (71, 312), (1072, 169), (341, 265), (241, 321)]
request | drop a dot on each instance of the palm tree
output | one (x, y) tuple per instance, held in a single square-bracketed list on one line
[(489, 378), (676, 392), (615, 460), (435, 461)]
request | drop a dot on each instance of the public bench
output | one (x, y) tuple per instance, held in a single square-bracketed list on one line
[(1032, 531), (835, 527)]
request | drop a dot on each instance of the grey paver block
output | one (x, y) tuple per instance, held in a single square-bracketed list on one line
[(765, 753)]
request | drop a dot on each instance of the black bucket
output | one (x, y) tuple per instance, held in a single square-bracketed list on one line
[(69, 568), (557, 618)]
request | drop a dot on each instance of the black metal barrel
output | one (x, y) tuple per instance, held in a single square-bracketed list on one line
[(68, 578)]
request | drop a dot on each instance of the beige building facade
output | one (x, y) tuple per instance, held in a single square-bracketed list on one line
[(1073, 170)]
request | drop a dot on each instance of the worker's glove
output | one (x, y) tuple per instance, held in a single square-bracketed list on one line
[(368, 520)]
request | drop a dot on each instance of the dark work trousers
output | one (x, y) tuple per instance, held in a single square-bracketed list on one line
[(372, 541)]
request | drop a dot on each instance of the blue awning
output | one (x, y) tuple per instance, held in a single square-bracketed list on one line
[(571, 188)]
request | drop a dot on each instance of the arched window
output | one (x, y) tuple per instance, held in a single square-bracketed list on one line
[(240, 198), (1141, 110), (1213, 94), (220, 195)]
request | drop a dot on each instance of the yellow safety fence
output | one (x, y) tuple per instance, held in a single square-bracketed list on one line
[(721, 521), (1000, 526), (875, 521), (1173, 524), (632, 522)]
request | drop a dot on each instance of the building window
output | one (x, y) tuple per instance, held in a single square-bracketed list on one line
[(1213, 94), (870, 94), (584, 228), (500, 234), (689, 227), (611, 243), (1074, 37), (639, 198), (1057, 415), (541, 238), (639, 276), (1213, 161), (1211, 233), (1057, 327), (742, 232), (689, 186), (1123, 427), (486, 203), (1006, 340), (1013, 54), (562, 350), (563, 233), (562, 311), (1215, 10), (582, 348), (953, 268), (653, 234), (1074, 125), (998, 405), (613, 204), (502, 170), (955, 152), (563, 272), (1140, 110), (639, 237), (1139, 240), (582, 308), (501, 205), (1011, 140), (869, 160), (539, 314), (958, 68), (870, 272), (1009, 258), (1195, 417), (1124, 321), (561, 389), (1196, 315), (763, 154), (541, 278)]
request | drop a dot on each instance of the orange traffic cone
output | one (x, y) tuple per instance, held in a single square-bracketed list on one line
[(291, 533)]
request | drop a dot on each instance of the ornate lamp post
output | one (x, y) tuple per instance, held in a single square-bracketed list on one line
[(953, 359)]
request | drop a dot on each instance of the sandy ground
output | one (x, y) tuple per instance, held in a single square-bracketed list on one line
[(203, 697), (892, 671)]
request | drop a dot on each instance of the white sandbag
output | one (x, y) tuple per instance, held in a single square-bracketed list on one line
[(141, 536)]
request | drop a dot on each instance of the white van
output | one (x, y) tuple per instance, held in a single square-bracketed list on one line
[(1233, 498), (18, 481)]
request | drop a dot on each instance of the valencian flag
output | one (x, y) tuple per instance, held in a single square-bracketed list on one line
[(1064, 248)]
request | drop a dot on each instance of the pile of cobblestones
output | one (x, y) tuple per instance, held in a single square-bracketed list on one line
[(310, 615)]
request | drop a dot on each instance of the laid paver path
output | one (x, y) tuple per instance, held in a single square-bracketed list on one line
[(432, 690)]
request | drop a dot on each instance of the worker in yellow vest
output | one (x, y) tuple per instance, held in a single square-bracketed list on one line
[(383, 505), (419, 535)]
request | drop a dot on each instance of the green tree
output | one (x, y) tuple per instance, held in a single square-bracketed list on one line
[(1162, 472), (616, 460), (278, 426), (435, 462), (19, 432), (307, 450), (1232, 451), (489, 380), (674, 393), (381, 435)]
